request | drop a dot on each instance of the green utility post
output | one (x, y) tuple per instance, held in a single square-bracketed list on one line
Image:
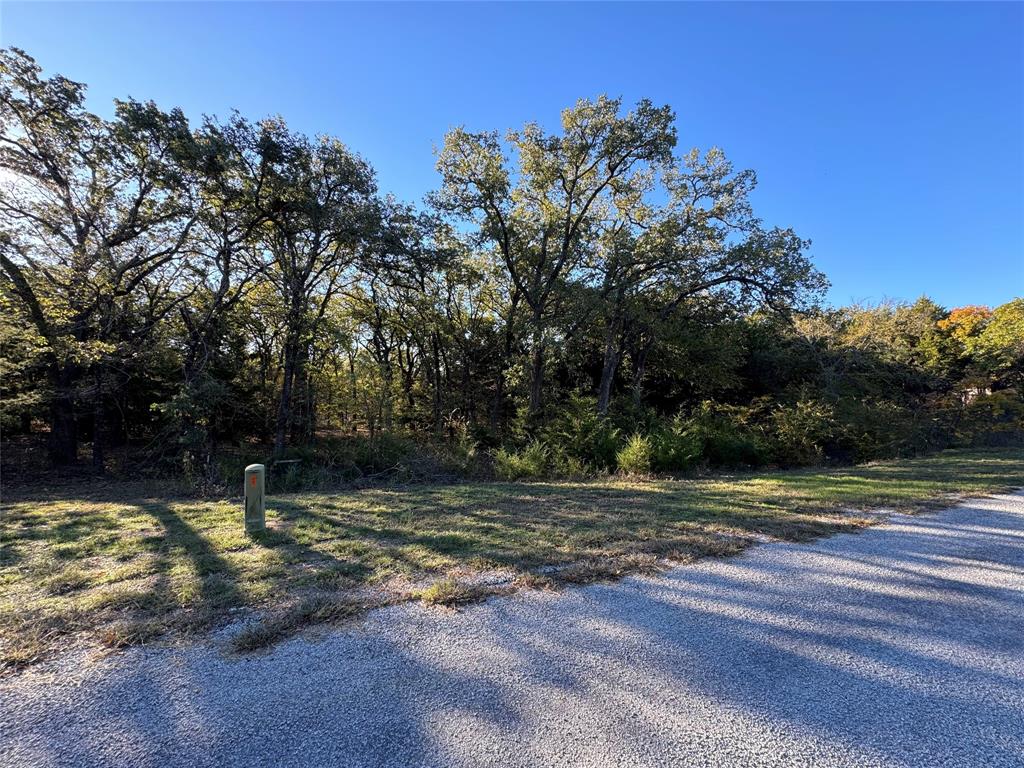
[(255, 511)]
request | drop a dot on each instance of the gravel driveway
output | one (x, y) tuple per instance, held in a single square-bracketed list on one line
[(899, 646)]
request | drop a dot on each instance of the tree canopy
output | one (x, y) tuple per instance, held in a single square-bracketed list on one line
[(178, 292)]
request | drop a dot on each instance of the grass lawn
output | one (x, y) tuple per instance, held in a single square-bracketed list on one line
[(124, 563)]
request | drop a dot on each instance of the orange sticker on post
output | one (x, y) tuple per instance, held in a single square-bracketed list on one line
[(253, 481)]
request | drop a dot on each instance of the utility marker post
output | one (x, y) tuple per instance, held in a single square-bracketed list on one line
[(255, 510)]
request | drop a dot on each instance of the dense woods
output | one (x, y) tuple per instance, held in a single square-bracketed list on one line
[(183, 298)]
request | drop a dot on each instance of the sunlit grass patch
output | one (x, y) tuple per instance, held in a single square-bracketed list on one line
[(450, 592), (131, 567)]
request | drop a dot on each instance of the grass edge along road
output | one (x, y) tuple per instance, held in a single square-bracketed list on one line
[(122, 565)]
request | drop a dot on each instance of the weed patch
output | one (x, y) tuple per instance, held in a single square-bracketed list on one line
[(288, 621), (452, 593)]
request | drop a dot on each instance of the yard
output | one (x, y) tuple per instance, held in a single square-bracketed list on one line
[(122, 564)]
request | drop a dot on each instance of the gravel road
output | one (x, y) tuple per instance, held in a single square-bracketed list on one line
[(899, 646)]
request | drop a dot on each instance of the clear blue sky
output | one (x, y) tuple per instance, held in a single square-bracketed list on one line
[(891, 135)]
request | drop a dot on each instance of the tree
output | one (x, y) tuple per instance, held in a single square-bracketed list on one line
[(230, 164), (170, 288), (999, 348), (542, 216), (322, 215), (92, 217), (704, 241)]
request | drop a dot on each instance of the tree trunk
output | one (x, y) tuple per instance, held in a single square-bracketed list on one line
[(436, 356), (604, 392), (387, 409), (468, 400), (498, 404), (284, 407), (99, 425), (63, 438), (639, 368), (354, 389), (537, 380), (407, 368), (498, 409), (302, 425), (62, 442), (536, 368), (612, 356), (312, 420), (199, 451)]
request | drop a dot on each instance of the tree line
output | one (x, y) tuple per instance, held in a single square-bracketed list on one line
[(172, 288)]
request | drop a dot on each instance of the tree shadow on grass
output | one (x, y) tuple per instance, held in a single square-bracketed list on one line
[(500, 526), (855, 651), (197, 586)]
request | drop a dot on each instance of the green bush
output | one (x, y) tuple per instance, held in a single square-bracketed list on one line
[(883, 429), (290, 478), (674, 447), (369, 455), (733, 449), (628, 416), (636, 457), (583, 434), (462, 454), (565, 465), (799, 434), (725, 436), (992, 420), (191, 417), (532, 461)]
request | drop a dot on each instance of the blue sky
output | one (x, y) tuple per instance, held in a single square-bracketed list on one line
[(891, 135)]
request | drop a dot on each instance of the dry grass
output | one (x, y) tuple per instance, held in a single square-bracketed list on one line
[(538, 581), (281, 623), (452, 593), (125, 564)]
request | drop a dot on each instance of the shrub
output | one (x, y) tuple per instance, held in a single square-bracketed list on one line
[(191, 417), (562, 464), (629, 416), (338, 460), (636, 456), (799, 433), (383, 451), (532, 461), (733, 449), (993, 420), (583, 434), (674, 447), (461, 456), (725, 437), (882, 429)]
